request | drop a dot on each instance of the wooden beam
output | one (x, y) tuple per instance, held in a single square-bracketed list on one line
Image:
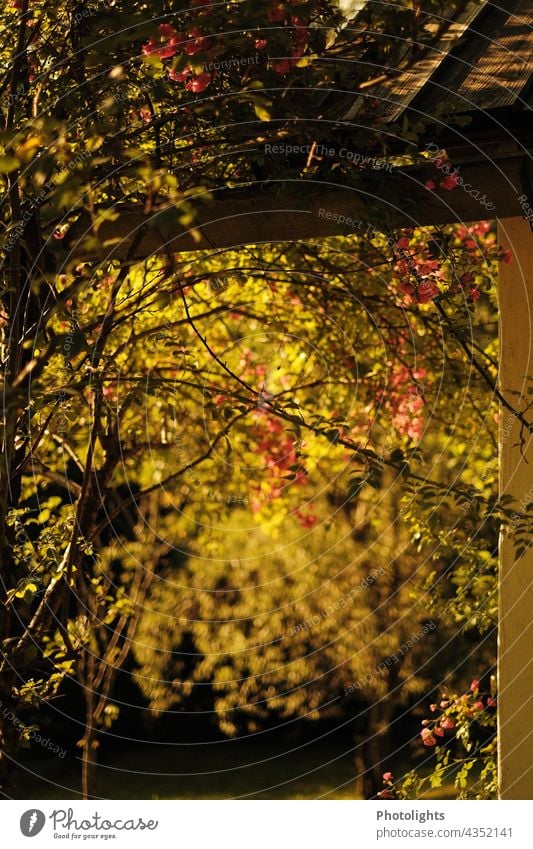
[(289, 210), (515, 650)]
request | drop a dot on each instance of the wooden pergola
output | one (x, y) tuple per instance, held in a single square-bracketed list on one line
[(479, 66)]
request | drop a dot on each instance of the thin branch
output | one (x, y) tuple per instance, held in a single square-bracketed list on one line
[(481, 370)]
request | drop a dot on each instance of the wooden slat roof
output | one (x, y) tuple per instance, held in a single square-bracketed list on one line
[(481, 60), (477, 61)]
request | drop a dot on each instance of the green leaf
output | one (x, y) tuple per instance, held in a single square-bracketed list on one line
[(263, 109), (8, 163), (26, 590)]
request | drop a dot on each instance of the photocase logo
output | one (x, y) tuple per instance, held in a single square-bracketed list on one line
[(32, 822)]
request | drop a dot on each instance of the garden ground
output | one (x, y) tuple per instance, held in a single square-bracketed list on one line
[(188, 772)]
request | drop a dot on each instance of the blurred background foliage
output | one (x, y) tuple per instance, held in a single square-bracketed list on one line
[(304, 482)]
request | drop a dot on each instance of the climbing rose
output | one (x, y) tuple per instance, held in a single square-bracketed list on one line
[(300, 34), (282, 67), (428, 738), (277, 14), (150, 47), (167, 31), (199, 83), (198, 43), (306, 520), (163, 51), (179, 76), (427, 291), (450, 182), (387, 776)]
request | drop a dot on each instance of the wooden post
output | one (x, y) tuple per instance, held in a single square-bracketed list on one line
[(515, 649)]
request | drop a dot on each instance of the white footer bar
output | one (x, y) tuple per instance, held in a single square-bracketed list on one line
[(266, 824)]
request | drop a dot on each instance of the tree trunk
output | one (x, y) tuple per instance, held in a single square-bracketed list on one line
[(89, 765), (90, 738), (372, 749)]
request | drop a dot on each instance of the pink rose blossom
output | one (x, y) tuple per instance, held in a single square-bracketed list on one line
[(428, 738), (450, 182), (427, 291), (167, 30), (197, 42), (199, 83), (282, 67)]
